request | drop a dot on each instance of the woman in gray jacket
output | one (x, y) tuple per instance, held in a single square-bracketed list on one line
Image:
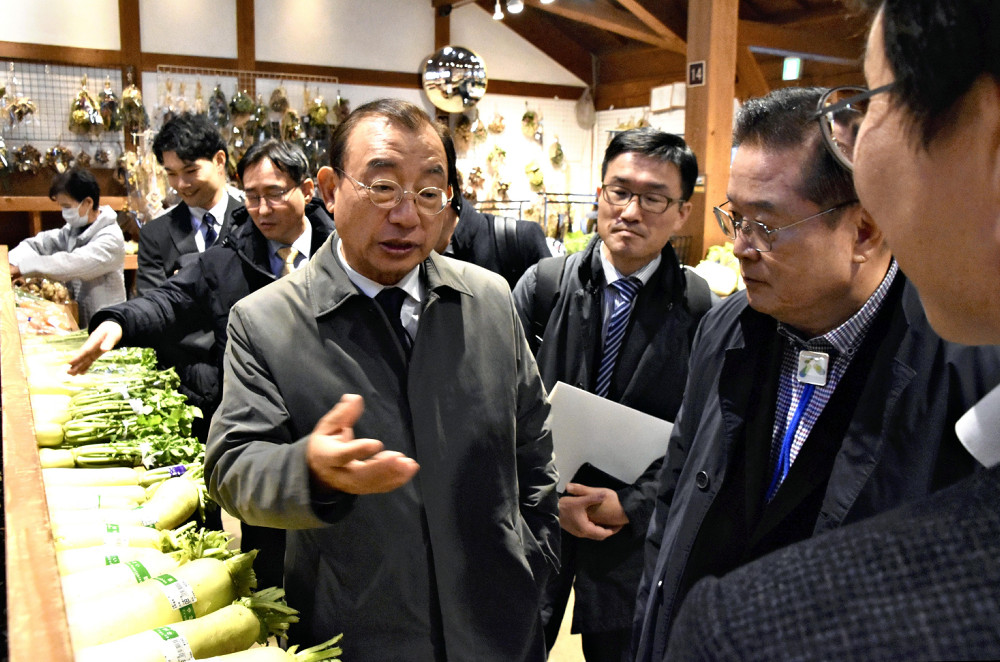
[(88, 253)]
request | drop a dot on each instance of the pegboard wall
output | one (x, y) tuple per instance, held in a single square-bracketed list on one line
[(52, 88), (175, 89), (557, 122), (611, 121)]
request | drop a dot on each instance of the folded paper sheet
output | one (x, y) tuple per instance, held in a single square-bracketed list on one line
[(617, 439)]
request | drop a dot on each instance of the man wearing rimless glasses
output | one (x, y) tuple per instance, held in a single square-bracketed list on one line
[(821, 395)]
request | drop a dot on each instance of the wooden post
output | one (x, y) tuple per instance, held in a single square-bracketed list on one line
[(708, 122), (442, 37), (246, 46)]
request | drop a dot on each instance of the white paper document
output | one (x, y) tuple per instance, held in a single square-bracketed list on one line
[(614, 438)]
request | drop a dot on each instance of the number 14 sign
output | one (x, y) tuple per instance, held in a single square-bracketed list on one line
[(696, 73)]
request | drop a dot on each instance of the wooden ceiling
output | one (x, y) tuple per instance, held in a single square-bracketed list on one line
[(627, 47)]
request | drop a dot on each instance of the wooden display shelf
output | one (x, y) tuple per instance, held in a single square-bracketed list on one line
[(36, 612), (36, 204)]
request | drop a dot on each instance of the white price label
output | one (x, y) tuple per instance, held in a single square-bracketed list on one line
[(179, 593), (172, 645)]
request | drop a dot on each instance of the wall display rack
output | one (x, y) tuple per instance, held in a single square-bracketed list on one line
[(52, 89)]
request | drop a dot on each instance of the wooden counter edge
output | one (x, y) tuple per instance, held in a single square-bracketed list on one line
[(36, 612)]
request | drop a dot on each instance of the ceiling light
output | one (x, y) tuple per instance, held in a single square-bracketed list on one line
[(515, 6), (547, 2), (498, 13)]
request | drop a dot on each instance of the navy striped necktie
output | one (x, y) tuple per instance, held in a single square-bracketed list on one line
[(208, 227), (627, 288)]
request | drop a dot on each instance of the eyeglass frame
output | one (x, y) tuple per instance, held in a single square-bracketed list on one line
[(721, 214), (273, 199), (640, 196), (403, 192), (828, 138)]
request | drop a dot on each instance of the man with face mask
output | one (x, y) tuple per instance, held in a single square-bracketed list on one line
[(88, 253)]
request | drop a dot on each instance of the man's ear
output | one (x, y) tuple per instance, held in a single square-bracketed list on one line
[(308, 188), (683, 210), (869, 239), (219, 159), (328, 181)]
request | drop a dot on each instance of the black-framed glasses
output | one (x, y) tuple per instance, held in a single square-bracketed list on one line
[(759, 236), (386, 194), (840, 113), (654, 203), (274, 196)]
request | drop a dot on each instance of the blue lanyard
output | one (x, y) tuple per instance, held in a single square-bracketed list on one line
[(785, 457)]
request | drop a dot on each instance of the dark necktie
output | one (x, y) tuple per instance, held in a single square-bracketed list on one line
[(628, 288), (391, 299), (208, 229)]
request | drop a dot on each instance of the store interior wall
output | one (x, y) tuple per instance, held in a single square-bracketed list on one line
[(345, 33)]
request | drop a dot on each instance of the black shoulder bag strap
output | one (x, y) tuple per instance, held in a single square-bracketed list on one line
[(548, 278)]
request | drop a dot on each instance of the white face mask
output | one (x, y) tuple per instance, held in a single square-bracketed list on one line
[(73, 218)]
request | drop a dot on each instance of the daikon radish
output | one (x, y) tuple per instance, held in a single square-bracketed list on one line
[(173, 502), (71, 561), (98, 476), (93, 584), (233, 628), (190, 591)]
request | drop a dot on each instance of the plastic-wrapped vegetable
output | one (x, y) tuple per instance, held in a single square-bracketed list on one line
[(556, 155), (133, 113), (291, 126), (535, 176), (198, 107), (317, 110), (111, 113), (84, 116), (241, 104), (59, 158), (279, 100), (218, 109)]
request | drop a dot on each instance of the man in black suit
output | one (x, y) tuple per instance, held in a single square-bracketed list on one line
[(921, 582), (818, 398), (502, 245), (571, 307), (193, 154)]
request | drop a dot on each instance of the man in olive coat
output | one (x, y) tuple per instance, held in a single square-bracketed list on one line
[(421, 507)]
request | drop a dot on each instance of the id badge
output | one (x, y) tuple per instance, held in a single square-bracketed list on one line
[(813, 368)]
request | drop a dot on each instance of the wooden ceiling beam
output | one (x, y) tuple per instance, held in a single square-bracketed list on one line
[(753, 33), (600, 14), (653, 23), (546, 37), (750, 79)]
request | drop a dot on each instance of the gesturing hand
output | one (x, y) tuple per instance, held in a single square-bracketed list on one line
[(103, 339), (356, 466)]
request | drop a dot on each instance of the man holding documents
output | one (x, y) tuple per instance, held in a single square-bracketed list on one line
[(820, 396), (616, 319)]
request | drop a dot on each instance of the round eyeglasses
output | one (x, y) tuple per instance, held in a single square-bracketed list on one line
[(759, 236), (840, 113), (654, 203), (386, 194)]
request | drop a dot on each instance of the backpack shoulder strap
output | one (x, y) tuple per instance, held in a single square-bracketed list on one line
[(548, 278), (508, 249)]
